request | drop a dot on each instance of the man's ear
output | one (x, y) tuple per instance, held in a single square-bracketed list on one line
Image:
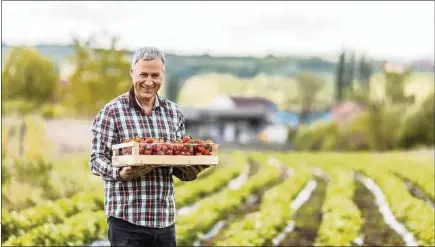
[(131, 72)]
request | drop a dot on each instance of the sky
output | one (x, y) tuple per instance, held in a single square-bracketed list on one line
[(403, 30)]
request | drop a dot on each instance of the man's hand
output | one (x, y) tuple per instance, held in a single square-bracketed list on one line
[(128, 173), (192, 171)]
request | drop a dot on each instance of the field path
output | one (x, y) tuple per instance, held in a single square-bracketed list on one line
[(69, 136)]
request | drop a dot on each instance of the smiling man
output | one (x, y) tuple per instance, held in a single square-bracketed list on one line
[(139, 201)]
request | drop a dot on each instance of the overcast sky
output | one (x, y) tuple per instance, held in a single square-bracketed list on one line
[(392, 29)]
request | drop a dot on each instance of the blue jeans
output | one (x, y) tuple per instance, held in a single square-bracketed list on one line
[(123, 233)]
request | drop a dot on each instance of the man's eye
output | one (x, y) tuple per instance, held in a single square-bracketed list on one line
[(155, 76)]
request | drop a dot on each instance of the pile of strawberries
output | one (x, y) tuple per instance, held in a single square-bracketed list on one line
[(184, 146)]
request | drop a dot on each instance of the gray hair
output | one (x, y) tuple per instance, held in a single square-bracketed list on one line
[(148, 53)]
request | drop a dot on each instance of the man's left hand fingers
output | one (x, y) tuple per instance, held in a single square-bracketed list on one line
[(190, 170)]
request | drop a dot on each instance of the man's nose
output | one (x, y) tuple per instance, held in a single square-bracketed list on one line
[(148, 81)]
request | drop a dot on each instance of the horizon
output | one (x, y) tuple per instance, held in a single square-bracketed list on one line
[(327, 57), (320, 30)]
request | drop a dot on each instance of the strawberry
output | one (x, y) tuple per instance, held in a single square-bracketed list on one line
[(185, 139), (207, 144), (147, 152), (126, 151)]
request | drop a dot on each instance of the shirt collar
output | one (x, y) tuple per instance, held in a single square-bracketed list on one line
[(133, 102)]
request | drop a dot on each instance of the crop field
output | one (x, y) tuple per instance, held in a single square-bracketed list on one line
[(251, 199)]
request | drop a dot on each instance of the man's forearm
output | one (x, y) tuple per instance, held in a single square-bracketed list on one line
[(182, 176), (101, 166)]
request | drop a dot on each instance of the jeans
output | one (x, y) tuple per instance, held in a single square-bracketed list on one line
[(123, 233)]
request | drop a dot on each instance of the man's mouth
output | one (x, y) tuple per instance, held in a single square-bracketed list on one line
[(147, 90)]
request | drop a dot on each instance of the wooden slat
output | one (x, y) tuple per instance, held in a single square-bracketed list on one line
[(123, 145), (164, 160)]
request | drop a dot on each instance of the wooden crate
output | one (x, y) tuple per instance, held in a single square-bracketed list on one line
[(135, 159)]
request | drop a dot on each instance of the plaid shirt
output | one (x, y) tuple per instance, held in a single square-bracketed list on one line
[(150, 200)]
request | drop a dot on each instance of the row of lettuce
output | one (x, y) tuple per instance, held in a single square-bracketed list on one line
[(80, 220), (36, 225)]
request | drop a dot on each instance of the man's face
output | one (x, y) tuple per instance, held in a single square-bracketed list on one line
[(147, 78)]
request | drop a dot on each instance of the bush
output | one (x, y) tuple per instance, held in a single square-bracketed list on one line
[(376, 128), (321, 135), (353, 133), (35, 172), (52, 111), (19, 107), (373, 129), (418, 124), (6, 175)]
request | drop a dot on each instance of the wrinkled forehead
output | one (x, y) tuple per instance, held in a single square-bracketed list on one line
[(148, 66)]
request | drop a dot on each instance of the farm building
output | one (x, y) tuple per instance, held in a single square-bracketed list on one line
[(230, 119), (241, 103)]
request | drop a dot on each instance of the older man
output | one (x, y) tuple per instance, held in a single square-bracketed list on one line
[(139, 201)]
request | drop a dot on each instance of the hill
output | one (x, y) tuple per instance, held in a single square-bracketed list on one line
[(60, 54)]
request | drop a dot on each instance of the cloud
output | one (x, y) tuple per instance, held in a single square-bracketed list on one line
[(386, 28)]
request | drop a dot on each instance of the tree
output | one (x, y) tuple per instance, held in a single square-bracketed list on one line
[(365, 72), (350, 73), (29, 76), (309, 85), (395, 83), (339, 81), (419, 123), (100, 75)]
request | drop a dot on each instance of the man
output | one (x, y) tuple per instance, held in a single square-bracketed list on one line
[(139, 201)]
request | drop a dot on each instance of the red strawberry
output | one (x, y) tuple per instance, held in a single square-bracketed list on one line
[(185, 139)]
